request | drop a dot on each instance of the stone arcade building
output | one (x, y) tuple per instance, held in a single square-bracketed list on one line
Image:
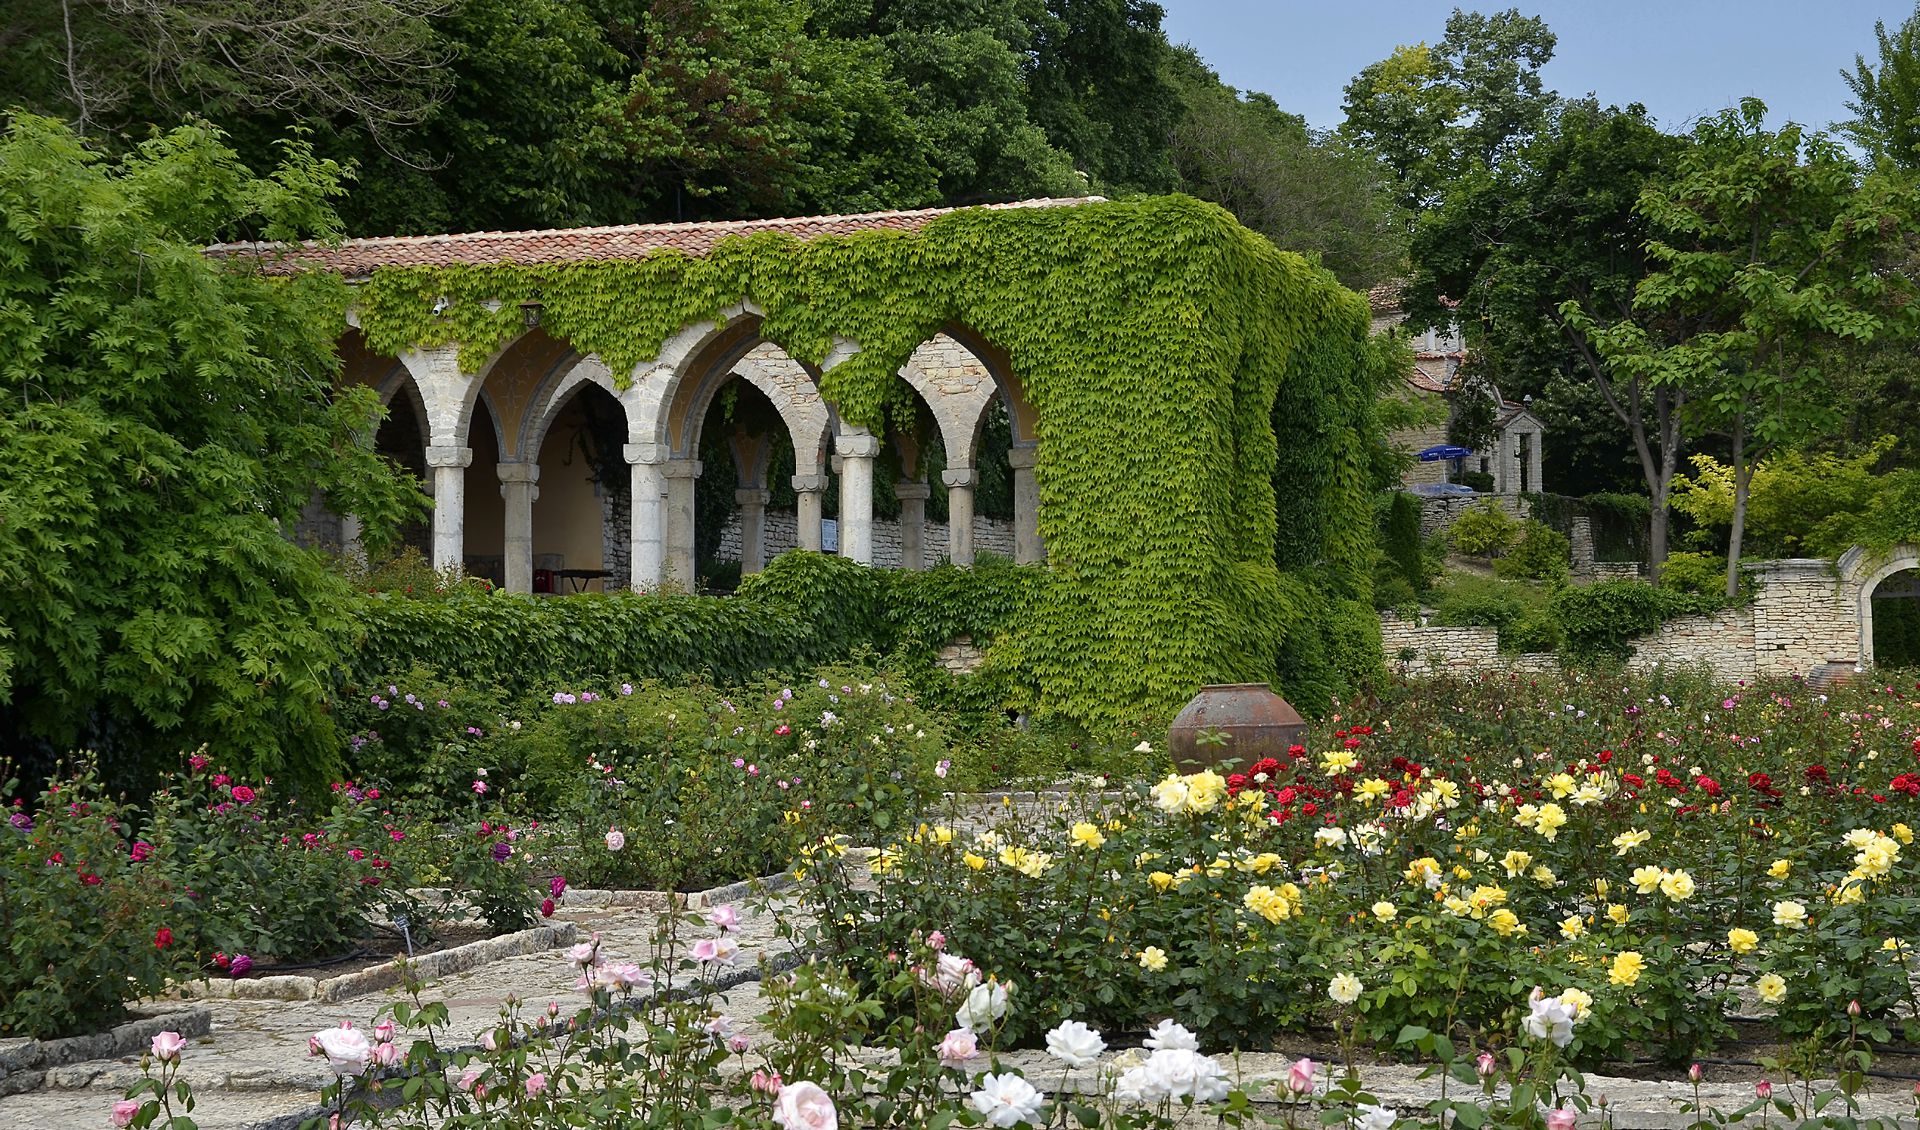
[(499, 448)]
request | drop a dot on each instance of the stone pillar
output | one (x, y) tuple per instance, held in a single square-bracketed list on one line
[(1582, 544), (449, 504), (753, 528), (1028, 549), (518, 490), (1534, 463), (959, 482), (913, 523), (810, 492), (649, 515), (856, 495), (1507, 471), (681, 475)]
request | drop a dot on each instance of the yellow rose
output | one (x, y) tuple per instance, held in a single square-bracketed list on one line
[(1571, 927), (1627, 841), (1272, 905), (1372, 787), (1903, 833), (1771, 988), (978, 863), (1544, 876), (1385, 911), (1551, 819), (1617, 914), (1153, 959), (1626, 967), (1516, 861), (1503, 922), (1561, 785), (1646, 880), (1085, 835), (1742, 941), (1780, 868), (1791, 914), (1161, 880), (1677, 886), (1579, 1000)]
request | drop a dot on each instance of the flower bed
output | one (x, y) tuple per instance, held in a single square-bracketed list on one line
[(1660, 860)]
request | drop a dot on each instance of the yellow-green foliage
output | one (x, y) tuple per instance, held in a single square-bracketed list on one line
[(1157, 339)]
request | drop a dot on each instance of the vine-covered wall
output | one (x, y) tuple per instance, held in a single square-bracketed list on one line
[(1159, 342)]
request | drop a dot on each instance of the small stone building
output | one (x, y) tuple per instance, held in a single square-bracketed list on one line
[(1515, 461)]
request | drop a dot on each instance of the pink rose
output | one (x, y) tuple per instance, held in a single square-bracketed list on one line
[(346, 1049), (764, 1083), (725, 916), (386, 1055), (960, 1046), (804, 1106), (1562, 1118), (124, 1110), (167, 1046), (1300, 1076), (383, 1031), (536, 1083), (470, 1079), (616, 839)]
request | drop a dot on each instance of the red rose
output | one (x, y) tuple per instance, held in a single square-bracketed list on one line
[(546, 908), (243, 794), (162, 938)]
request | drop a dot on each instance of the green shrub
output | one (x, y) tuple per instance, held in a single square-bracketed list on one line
[(1481, 481), (1517, 610), (1704, 574), (1484, 530), (1400, 540), (1600, 621), (89, 917), (1541, 554)]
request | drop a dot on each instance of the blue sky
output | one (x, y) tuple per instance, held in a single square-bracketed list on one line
[(1682, 58)]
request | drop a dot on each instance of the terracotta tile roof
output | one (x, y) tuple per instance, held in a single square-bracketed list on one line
[(1431, 371), (359, 257), (1385, 298)]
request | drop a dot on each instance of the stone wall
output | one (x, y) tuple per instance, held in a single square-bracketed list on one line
[(961, 657), (1720, 640), (1439, 514), (990, 535), (1801, 618)]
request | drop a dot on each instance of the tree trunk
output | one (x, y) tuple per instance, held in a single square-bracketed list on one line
[(1742, 477)]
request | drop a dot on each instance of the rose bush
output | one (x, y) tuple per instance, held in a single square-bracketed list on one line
[(87, 908), (1647, 850)]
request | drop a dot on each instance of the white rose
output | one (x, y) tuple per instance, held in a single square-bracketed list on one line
[(346, 1049), (1344, 988), (804, 1106), (1375, 1117), (1168, 1034), (616, 839), (1007, 1100), (984, 1005), (959, 1048), (1075, 1044)]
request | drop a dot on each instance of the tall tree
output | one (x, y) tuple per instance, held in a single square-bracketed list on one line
[(1886, 97), (1432, 114), (1544, 252), (1098, 88), (1306, 192), (1769, 252), (166, 416)]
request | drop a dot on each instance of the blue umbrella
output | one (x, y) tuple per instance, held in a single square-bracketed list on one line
[(1441, 451)]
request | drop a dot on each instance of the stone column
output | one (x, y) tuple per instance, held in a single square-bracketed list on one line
[(810, 492), (913, 523), (753, 528), (517, 489), (1028, 549), (649, 515), (681, 475), (449, 504), (856, 495), (1581, 542), (960, 482), (1534, 463)]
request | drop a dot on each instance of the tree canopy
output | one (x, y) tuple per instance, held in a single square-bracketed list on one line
[(169, 415)]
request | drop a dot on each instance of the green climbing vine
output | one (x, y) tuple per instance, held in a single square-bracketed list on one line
[(1161, 345)]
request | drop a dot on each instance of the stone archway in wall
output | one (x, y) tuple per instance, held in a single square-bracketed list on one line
[(1862, 575)]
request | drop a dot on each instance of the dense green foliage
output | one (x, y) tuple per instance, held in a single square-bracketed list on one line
[(1601, 620), (1539, 553), (1518, 611), (1886, 96), (166, 417), (1229, 336)]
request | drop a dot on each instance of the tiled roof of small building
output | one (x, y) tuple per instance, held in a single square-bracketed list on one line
[(359, 257)]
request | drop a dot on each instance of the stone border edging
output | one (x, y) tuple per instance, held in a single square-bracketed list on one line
[(437, 964), (24, 1067)]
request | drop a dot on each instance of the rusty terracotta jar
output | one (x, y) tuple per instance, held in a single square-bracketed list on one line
[(1256, 723)]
